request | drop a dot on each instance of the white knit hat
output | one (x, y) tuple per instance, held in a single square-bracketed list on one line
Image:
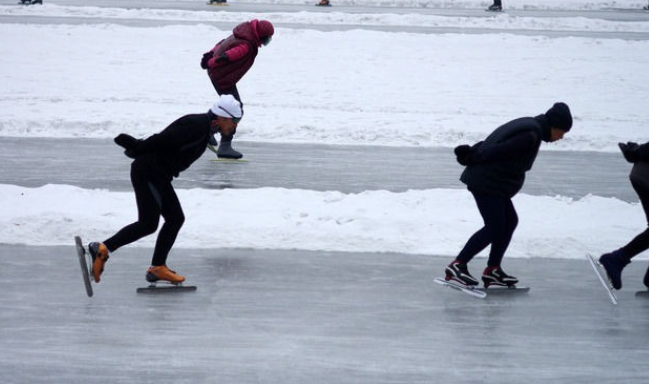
[(227, 106)]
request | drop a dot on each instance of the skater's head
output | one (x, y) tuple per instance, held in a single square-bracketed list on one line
[(264, 29), (226, 114), (560, 120), (559, 117)]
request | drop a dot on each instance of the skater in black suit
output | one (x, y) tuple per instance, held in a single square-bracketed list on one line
[(157, 160)]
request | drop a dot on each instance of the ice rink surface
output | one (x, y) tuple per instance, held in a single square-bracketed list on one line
[(34, 162), (265, 316), (296, 317)]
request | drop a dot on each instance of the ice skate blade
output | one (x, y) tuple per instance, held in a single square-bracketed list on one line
[(83, 262), (502, 289), (164, 287), (602, 277), (460, 287), (229, 161)]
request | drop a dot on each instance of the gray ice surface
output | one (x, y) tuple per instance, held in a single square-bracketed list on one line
[(261, 10), (268, 316), (99, 163)]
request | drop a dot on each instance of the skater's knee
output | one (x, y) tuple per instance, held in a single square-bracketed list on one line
[(512, 224), (175, 221), (149, 226)]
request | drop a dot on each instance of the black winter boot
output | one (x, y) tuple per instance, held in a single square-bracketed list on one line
[(226, 151)]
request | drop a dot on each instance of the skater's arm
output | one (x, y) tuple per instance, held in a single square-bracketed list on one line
[(237, 52), (176, 135), (633, 152), (510, 148), (233, 54)]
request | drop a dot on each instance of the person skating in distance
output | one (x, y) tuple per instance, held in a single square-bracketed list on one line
[(228, 62)]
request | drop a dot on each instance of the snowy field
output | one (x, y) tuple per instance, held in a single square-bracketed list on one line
[(356, 87)]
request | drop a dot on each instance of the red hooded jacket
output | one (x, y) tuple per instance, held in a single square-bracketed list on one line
[(241, 49)]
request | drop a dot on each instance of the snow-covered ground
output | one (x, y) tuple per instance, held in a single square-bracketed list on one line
[(357, 87)]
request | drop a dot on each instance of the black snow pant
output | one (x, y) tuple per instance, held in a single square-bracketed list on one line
[(154, 198), (500, 221), (641, 242)]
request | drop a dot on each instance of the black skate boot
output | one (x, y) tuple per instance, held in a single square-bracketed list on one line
[(459, 272), (496, 276), (646, 279), (614, 263), (495, 8)]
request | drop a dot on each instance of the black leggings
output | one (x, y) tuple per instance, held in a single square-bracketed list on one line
[(154, 199), (641, 242), (500, 221)]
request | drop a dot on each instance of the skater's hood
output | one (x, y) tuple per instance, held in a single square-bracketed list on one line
[(254, 31)]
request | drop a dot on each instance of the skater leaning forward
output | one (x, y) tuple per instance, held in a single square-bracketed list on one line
[(229, 60), (157, 160), (614, 262), (495, 172)]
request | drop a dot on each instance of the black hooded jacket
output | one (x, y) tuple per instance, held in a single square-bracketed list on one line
[(500, 162)]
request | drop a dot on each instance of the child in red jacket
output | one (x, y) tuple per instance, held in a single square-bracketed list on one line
[(228, 61)]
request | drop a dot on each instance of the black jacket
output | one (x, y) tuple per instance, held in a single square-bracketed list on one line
[(176, 147), (499, 163)]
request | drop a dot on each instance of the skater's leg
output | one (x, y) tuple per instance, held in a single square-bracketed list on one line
[(490, 209), (504, 224), (174, 217), (225, 150), (476, 243), (147, 198), (641, 242), (148, 218), (499, 225), (614, 262)]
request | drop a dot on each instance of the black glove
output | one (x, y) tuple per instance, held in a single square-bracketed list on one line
[(463, 154), (129, 143), (206, 57), (126, 141), (630, 151), (222, 59)]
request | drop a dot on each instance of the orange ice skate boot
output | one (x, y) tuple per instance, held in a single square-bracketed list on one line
[(99, 254), (157, 273)]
